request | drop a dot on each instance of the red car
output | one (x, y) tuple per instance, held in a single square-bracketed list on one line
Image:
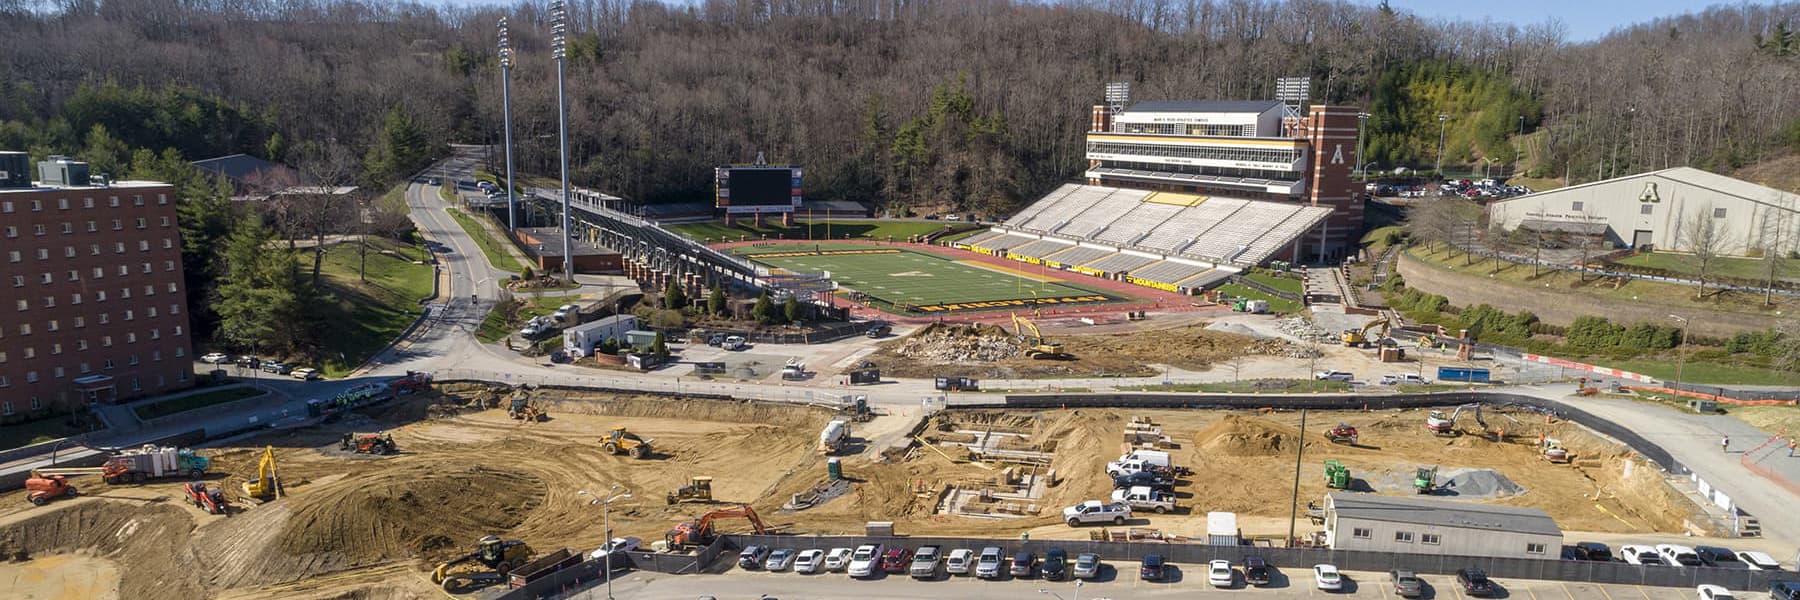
[(896, 560)]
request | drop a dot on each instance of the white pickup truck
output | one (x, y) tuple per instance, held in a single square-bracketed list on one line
[(1146, 498), (1138, 460), (1095, 511)]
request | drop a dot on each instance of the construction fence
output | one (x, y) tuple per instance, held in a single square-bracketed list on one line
[(590, 573), (1297, 562)]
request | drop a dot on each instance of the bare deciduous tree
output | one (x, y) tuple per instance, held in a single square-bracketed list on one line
[(1705, 240)]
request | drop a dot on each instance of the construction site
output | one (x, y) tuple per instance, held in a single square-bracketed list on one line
[(370, 505)]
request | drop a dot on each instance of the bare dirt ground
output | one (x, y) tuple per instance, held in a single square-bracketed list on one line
[(366, 527), (994, 352)]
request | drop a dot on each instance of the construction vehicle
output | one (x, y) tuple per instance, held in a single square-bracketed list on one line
[(1360, 338), (1036, 346), (621, 441), (834, 437), (524, 409), (1337, 476), (1443, 425), (267, 485), (43, 488), (151, 461), (699, 532), (1344, 433), (1558, 455), (493, 558), (857, 408), (1255, 307), (211, 500), (698, 489), (1425, 480), (413, 382), (368, 443)]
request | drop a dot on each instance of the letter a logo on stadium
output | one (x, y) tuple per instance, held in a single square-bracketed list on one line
[(1337, 154), (1649, 194)]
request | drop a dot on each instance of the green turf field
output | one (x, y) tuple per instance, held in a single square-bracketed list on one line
[(916, 282)]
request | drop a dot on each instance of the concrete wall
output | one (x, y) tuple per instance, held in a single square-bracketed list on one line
[(1340, 534), (1618, 204)]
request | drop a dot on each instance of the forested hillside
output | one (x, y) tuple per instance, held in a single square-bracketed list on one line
[(977, 102)]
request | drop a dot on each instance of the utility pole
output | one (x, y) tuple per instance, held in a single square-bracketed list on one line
[(512, 212), (559, 17), (1443, 122), (1294, 506), (1681, 353)]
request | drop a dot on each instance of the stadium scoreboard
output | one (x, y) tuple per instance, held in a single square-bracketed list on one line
[(757, 189)]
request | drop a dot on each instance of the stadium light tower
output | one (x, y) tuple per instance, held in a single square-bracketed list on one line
[(1443, 122), (559, 17), (1361, 117), (512, 213)]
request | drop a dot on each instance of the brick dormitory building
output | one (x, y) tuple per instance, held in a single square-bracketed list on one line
[(92, 305)]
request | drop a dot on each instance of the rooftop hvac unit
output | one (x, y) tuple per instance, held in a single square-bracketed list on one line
[(63, 171), (15, 170)]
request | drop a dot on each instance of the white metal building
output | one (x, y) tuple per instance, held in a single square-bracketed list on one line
[(1650, 209), (1435, 526)]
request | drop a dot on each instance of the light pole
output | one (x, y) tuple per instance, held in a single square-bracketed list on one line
[(1443, 123), (1361, 118), (512, 213), (606, 511), (1681, 352), (559, 17)]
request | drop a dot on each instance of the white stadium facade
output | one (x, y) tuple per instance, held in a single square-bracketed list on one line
[(1660, 209)]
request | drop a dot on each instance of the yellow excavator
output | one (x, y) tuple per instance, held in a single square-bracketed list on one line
[(1035, 344), (1360, 338), (492, 557), (266, 486)]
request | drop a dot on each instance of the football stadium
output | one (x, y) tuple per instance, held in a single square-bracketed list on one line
[(907, 281)]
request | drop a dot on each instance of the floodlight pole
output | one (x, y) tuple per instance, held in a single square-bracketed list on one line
[(559, 48), (1443, 122), (512, 212), (1361, 118)]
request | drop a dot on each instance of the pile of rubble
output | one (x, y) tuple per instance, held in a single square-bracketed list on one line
[(1283, 348), (1305, 330), (960, 344)]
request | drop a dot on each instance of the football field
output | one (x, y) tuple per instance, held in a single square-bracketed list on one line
[(917, 282)]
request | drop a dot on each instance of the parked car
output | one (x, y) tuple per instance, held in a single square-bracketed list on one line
[(1333, 376), (895, 560), (960, 561), (1676, 554), (752, 557), (1256, 570), (304, 373), (1152, 568), (248, 361), (862, 563), (1723, 558), (618, 544), (778, 560), (1708, 591), (1024, 564), (1594, 551), (276, 367), (1640, 555), (808, 560), (1056, 565), (1087, 566), (733, 342), (1156, 482), (1406, 584), (924, 563), (214, 358), (1403, 378), (1220, 574), (837, 559), (565, 312), (1784, 590), (1095, 511), (987, 565), (1326, 577), (1758, 561), (1474, 582)]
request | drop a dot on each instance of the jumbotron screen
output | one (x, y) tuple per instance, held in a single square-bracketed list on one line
[(760, 186)]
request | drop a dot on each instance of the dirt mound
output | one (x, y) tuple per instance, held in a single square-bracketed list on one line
[(1237, 435), (953, 343), (1479, 483), (430, 514), (724, 411), (149, 540)]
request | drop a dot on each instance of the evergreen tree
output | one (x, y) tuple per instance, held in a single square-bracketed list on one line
[(105, 153), (715, 301), (791, 309), (204, 215), (256, 290), (764, 311), (674, 298), (660, 346)]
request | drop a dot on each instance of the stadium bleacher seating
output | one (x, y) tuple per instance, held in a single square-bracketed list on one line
[(1040, 248), (1137, 222), (1080, 255), (1119, 263), (1006, 242)]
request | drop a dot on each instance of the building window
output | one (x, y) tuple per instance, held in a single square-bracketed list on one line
[(1646, 209), (94, 249), (181, 376), (143, 245), (141, 223), (131, 338), (174, 309), (156, 334), (36, 404), (156, 355), (137, 200), (92, 226), (87, 202), (1361, 533), (74, 275), (6, 207), (1575, 206), (165, 221), (106, 342), (12, 231), (45, 278), (18, 281), (150, 312), (81, 346), (62, 204), (117, 225), (1430, 538), (1718, 213), (30, 352), (37, 205), (55, 325), (85, 369), (68, 228), (168, 243), (108, 364), (147, 268), (2, 357), (172, 287), (179, 352), (43, 253), (5, 407), (124, 270), (178, 334), (1534, 548), (100, 296), (81, 321), (162, 198), (133, 361), (135, 386), (1404, 537), (24, 304), (113, 201), (14, 256), (31, 377), (68, 252), (75, 298), (57, 373)]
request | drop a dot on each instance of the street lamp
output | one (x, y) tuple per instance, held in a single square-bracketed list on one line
[(1443, 122), (1681, 352), (506, 117), (559, 17), (606, 510), (1361, 118)]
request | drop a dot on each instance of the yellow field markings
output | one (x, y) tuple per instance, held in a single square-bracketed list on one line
[(1014, 272)]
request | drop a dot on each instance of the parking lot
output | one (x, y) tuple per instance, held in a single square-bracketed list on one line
[(1114, 583)]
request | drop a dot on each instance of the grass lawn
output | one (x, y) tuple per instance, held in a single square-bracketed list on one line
[(1254, 386), (806, 229), (494, 327), (897, 276), (1286, 284), (366, 315), (42, 430), (1705, 372), (200, 400), (1594, 290), (1773, 419), (1742, 268), (1376, 239), (494, 248), (1276, 304)]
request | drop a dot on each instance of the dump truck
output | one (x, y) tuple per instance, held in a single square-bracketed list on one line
[(153, 462), (544, 566), (1337, 476)]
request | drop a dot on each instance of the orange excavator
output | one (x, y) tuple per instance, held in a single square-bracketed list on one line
[(699, 532)]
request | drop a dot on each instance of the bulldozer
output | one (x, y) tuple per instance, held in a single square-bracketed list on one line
[(698, 489), (1425, 480), (44, 488), (1360, 338), (524, 409), (1344, 433), (624, 442), (267, 485), (368, 443), (1337, 476), (699, 532), (1036, 346), (493, 557)]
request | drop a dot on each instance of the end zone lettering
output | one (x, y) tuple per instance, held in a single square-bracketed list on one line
[(1012, 303), (825, 253)]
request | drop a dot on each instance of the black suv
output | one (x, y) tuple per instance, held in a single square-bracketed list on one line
[(1474, 582), (1723, 558), (1784, 590), (1056, 565), (1256, 570), (1594, 551)]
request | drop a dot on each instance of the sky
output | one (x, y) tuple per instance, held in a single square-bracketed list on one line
[(1586, 20)]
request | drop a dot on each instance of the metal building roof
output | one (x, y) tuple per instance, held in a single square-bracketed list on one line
[(1721, 184), (1443, 513), (1212, 106)]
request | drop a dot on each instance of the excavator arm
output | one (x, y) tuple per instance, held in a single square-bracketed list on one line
[(1023, 325)]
